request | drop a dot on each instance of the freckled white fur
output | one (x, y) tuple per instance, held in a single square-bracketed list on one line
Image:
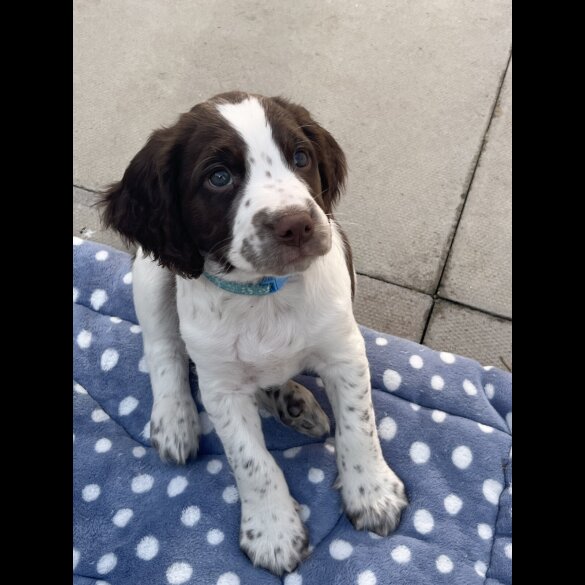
[(282, 189), (241, 343)]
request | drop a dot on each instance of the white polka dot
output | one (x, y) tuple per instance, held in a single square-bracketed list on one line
[(316, 475), (452, 504), (135, 329), (109, 359), (492, 490), (469, 387), (98, 415), (74, 437), (447, 357), (127, 278), (387, 428), (488, 368), (142, 483), (102, 255), (106, 563), (508, 550), (143, 365), (206, 424), (485, 428), (77, 241), (509, 420), (79, 389), (116, 320), (214, 536), (292, 452), (419, 452), (190, 516), (401, 554), (367, 578), (485, 531), (147, 548), (444, 564), (437, 382), (214, 466), (230, 494), (103, 445), (423, 521), (415, 407), (319, 382), (305, 512), (228, 579), (462, 457), (293, 579), (179, 573), (146, 430), (91, 492), (76, 556), (374, 536), (75, 294), (480, 568), (177, 486), (122, 517), (416, 362), (127, 406), (84, 339), (98, 298), (263, 412), (438, 416), (392, 380), (381, 341), (489, 390), (340, 549)]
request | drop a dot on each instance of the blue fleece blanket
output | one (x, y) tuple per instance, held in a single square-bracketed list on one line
[(444, 423)]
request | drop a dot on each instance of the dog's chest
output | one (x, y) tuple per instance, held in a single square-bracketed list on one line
[(262, 338)]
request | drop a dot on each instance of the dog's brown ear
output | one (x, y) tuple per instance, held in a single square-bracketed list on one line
[(332, 163), (145, 208)]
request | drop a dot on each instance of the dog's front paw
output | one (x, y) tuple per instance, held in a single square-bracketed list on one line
[(274, 536), (175, 429), (373, 501)]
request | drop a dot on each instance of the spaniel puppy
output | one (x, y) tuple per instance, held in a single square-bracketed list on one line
[(243, 269)]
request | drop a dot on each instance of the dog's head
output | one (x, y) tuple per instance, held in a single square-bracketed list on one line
[(244, 180)]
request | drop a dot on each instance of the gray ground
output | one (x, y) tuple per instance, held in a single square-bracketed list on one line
[(419, 95)]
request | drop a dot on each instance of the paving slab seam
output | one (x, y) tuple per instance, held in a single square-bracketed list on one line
[(473, 308), (404, 286), (467, 191)]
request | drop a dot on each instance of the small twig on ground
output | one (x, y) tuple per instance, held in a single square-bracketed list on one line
[(505, 364)]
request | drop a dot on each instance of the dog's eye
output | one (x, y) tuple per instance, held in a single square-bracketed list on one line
[(220, 178), (301, 158)]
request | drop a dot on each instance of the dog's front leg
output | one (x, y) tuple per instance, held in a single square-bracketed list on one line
[(272, 533), (372, 493)]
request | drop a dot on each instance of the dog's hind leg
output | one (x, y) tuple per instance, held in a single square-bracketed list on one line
[(296, 407)]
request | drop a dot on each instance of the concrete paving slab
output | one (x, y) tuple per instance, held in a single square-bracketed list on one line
[(479, 269), (470, 333), (86, 221), (406, 87), (390, 308)]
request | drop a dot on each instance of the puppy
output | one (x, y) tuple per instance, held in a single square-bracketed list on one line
[(243, 269)]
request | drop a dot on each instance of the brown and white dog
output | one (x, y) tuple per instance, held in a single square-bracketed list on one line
[(243, 187)]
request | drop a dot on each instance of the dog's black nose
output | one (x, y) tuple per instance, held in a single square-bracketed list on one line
[(294, 229)]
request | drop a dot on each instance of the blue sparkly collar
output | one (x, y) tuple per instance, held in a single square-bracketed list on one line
[(267, 286)]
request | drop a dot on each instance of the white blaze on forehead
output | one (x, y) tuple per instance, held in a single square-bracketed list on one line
[(271, 184), (248, 118)]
